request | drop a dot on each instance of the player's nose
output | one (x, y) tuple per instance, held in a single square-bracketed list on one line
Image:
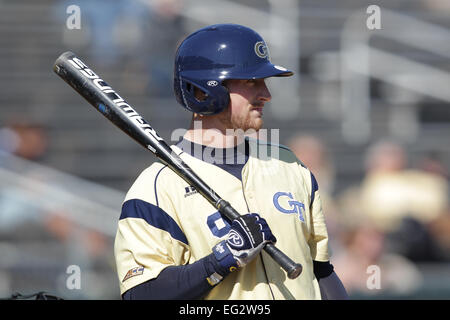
[(264, 93)]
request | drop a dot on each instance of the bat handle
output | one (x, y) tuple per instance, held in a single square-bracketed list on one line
[(292, 268)]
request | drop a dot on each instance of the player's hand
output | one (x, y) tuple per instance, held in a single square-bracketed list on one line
[(245, 240)]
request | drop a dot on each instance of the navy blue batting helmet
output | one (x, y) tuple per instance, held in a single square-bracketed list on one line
[(216, 53)]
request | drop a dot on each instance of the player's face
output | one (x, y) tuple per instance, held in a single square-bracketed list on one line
[(247, 99)]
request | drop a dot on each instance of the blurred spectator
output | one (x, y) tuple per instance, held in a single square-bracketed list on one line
[(24, 139), (111, 28), (17, 210), (130, 36), (433, 163), (440, 229), (36, 232), (390, 191), (314, 154), (94, 243), (29, 141), (164, 34), (365, 249), (436, 5), (414, 241), (400, 202)]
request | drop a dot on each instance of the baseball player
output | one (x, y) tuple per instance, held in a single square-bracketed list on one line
[(171, 243)]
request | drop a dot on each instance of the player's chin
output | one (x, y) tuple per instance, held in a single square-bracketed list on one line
[(256, 124)]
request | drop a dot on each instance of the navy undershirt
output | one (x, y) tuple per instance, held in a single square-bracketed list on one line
[(189, 281), (232, 160)]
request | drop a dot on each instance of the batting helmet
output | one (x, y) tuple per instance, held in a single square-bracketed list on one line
[(213, 54)]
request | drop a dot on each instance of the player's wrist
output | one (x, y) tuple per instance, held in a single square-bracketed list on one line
[(224, 259)]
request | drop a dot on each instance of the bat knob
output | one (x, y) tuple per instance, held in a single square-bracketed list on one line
[(295, 271)]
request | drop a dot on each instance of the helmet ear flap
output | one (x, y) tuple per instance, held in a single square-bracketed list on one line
[(199, 94), (202, 99)]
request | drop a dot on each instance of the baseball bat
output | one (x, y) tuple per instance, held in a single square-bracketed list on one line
[(108, 102)]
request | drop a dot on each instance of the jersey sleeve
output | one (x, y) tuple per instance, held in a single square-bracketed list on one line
[(318, 241), (148, 237)]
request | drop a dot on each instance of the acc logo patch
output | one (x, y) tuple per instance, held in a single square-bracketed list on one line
[(261, 50), (293, 206), (137, 271)]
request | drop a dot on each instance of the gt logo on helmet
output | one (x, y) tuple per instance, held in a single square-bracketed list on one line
[(261, 50)]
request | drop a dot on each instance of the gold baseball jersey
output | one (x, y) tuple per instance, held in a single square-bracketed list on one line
[(165, 222)]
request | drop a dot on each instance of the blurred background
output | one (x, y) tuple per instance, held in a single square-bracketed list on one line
[(368, 111)]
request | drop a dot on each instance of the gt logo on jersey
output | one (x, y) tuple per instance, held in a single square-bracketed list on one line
[(285, 203)]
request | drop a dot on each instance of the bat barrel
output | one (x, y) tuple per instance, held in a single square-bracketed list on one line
[(107, 101)]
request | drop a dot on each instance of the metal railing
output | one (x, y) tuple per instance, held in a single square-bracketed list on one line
[(360, 61), (87, 204)]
